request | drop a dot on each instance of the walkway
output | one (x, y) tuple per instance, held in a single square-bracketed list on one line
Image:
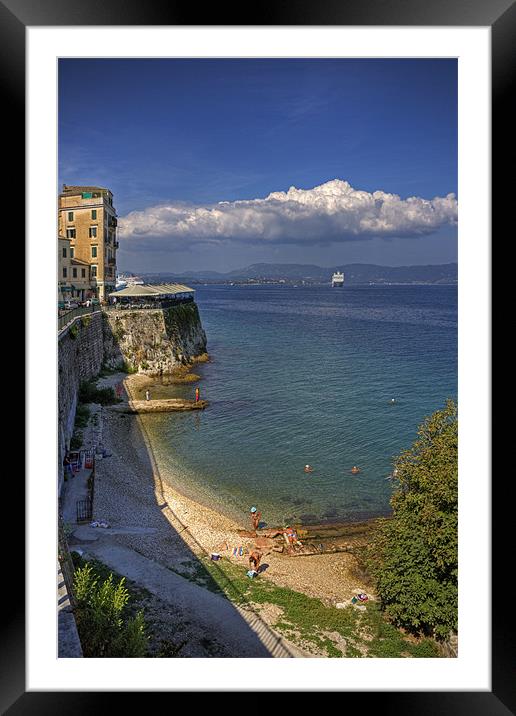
[(244, 633)]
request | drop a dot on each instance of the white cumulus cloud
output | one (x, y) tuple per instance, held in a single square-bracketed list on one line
[(328, 213)]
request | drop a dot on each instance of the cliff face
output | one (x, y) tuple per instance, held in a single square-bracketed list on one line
[(148, 341), (153, 342)]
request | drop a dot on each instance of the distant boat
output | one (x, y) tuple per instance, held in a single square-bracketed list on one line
[(123, 281), (337, 280)]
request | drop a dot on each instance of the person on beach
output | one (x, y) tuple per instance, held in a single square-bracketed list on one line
[(255, 517), (290, 536), (255, 559)]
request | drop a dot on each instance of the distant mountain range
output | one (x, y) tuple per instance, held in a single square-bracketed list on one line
[(307, 273)]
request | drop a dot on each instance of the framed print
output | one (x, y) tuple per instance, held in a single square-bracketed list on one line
[(274, 291)]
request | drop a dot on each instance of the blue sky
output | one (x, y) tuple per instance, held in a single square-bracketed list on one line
[(172, 138)]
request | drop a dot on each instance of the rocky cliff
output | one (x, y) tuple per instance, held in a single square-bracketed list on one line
[(154, 342)]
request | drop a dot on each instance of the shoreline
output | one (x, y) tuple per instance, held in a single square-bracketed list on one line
[(136, 382), (130, 492)]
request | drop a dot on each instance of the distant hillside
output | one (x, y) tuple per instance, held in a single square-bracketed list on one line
[(290, 273)]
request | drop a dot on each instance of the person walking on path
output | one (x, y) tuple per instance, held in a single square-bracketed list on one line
[(147, 395)]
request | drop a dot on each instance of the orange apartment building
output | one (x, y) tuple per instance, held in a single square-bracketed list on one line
[(87, 217)]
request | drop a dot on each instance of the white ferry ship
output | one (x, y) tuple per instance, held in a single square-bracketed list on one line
[(122, 281), (337, 279)]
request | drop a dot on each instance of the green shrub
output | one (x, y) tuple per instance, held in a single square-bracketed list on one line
[(104, 628), (73, 331), (414, 555), (86, 320), (82, 415), (76, 440), (89, 393)]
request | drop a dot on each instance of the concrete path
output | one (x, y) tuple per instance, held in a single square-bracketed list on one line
[(75, 489), (243, 632)]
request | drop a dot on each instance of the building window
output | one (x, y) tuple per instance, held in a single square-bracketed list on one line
[(83, 273), (93, 232), (93, 252), (93, 271), (65, 273), (70, 216), (71, 252), (94, 214), (64, 253), (74, 273), (70, 233)]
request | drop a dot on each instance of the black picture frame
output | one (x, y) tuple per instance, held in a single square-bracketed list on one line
[(500, 16)]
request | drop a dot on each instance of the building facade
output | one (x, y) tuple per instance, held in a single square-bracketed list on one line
[(88, 219), (64, 269), (74, 282)]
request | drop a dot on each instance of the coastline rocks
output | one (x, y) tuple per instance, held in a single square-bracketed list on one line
[(159, 406)]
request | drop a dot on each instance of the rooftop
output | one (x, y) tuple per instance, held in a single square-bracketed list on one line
[(73, 189), (162, 289)]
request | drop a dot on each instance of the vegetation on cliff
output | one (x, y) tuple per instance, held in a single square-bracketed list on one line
[(414, 556), (89, 393)]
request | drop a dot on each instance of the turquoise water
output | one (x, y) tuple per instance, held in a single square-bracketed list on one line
[(306, 375)]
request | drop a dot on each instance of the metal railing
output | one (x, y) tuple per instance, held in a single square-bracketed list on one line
[(84, 510), (65, 560), (72, 314), (168, 303)]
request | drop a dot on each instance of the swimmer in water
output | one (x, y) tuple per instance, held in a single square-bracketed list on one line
[(308, 468), (355, 470)]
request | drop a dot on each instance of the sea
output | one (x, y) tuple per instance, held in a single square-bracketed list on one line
[(330, 377)]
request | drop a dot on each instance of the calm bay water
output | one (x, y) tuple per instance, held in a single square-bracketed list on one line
[(306, 375)]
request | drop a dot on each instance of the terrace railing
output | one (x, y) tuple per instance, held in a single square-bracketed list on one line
[(133, 305), (69, 316)]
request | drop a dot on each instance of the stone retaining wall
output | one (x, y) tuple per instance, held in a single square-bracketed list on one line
[(80, 356)]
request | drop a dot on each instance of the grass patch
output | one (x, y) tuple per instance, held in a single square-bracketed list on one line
[(304, 619), (389, 642)]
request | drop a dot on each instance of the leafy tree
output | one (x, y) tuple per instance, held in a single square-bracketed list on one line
[(414, 554)]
